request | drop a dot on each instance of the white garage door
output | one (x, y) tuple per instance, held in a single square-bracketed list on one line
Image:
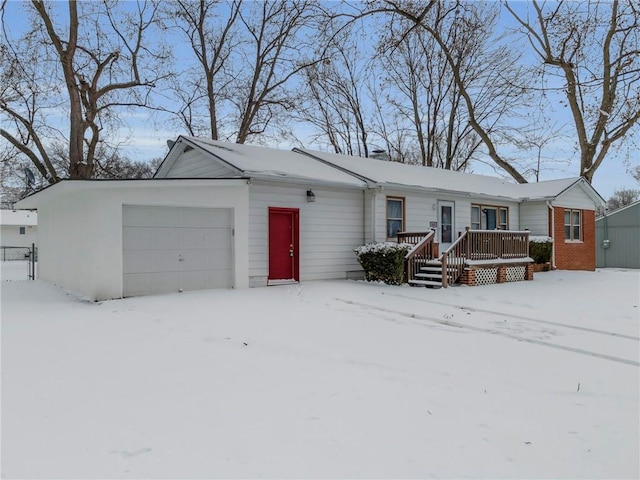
[(170, 249)]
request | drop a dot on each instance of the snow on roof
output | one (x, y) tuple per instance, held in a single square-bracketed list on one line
[(18, 217), (547, 189), (392, 173), (326, 167), (266, 162)]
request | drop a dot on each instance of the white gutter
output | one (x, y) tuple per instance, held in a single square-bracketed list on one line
[(444, 191), (553, 235)]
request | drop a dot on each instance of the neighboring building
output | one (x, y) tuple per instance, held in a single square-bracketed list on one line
[(18, 228), (224, 215), (618, 238)]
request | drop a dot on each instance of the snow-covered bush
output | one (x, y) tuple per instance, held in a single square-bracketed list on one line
[(540, 248), (383, 262)]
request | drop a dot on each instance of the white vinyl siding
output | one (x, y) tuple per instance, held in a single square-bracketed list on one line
[(575, 197), (534, 216), (330, 228), (421, 209), (195, 164)]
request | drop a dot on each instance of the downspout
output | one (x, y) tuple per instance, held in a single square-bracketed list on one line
[(374, 190), (364, 216), (605, 239), (553, 235), (373, 204)]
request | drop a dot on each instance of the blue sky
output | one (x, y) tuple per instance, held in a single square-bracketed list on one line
[(143, 141)]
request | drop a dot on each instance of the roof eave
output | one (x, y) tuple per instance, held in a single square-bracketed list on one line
[(444, 191), (257, 176)]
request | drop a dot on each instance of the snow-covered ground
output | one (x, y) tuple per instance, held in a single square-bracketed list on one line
[(326, 379)]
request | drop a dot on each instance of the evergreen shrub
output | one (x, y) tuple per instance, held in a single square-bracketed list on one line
[(383, 262), (540, 248)]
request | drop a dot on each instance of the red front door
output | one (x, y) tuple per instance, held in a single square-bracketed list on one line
[(283, 243)]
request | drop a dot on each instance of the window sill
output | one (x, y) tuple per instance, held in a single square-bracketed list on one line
[(573, 241)]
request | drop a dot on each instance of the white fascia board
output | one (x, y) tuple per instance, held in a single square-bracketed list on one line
[(290, 180), (442, 191), (588, 189), (195, 145), (369, 182), (170, 159), (32, 201)]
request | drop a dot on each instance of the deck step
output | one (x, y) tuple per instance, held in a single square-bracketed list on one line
[(429, 276), (426, 283), (436, 269)]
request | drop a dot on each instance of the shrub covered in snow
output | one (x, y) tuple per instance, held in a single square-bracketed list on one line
[(540, 247), (383, 262)]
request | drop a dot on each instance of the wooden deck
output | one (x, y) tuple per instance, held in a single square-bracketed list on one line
[(472, 250)]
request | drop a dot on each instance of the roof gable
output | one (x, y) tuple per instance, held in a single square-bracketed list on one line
[(250, 161)]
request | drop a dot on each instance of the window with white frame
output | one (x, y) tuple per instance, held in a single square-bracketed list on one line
[(395, 216), (489, 217), (572, 225), (23, 230)]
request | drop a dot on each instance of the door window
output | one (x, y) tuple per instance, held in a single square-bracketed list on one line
[(446, 224)]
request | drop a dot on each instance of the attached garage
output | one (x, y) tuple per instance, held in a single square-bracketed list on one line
[(172, 249), (121, 238)]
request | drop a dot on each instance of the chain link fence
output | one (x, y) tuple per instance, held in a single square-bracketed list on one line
[(18, 263)]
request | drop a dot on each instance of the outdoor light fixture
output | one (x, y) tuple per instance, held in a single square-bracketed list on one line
[(311, 197)]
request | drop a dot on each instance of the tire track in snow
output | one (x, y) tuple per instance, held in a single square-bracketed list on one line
[(520, 317), (449, 323)]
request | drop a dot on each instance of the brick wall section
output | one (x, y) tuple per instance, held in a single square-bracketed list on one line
[(528, 273), (575, 255), (502, 274), (468, 277)]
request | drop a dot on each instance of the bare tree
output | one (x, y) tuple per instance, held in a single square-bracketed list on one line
[(622, 197), (336, 96), (537, 145), (203, 90), (278, 48), (429, 17), (427, 93), (244, 58), (594, 46), (88, 66)]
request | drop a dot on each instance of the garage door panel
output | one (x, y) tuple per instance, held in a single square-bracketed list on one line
[(150, 238), (219, 238), (145, 283), (211, 259), (206, 218), (165, 238), (167, 249), (192, 238), (148, 216), (146, 261), (136, 237), (219, 278), (137, 261)]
